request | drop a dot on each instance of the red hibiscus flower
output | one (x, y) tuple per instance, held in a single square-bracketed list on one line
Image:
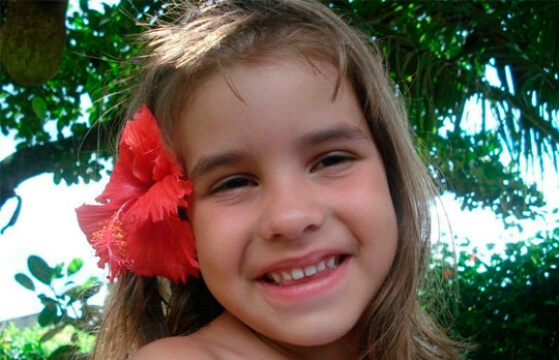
[(138, 228)]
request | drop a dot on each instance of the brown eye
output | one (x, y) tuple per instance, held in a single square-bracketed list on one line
[(233, 182), (333, 159)]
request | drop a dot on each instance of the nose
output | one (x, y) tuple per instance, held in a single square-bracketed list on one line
[(291, 209)]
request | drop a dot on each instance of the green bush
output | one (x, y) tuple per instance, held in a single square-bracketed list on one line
[(64, 301), (27, 344), (508, 306), (23, 344), (67, 321)]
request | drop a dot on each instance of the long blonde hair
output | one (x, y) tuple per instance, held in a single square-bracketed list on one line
[(203, 40)]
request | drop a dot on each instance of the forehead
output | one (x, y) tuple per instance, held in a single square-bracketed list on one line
[(237, 73), (249, 83), (260, 100)]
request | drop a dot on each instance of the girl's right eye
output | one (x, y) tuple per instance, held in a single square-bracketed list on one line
[(232, 183)]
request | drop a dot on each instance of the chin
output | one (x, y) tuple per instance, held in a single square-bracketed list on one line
[(321, 333)]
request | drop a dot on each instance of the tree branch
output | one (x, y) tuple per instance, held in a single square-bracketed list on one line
[(31, 161)]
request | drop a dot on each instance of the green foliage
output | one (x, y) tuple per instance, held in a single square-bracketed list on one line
[(23, 344), (48, 121), (27, 344), (477, 175), (508, 307), (65, 303), (438, 54)]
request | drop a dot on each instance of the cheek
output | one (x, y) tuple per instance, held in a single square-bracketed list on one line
[(365, 199), (221, 237), (367, 209)]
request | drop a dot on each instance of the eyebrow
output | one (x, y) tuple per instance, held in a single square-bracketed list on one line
[(207, 163), (337, 133), (341, 132)]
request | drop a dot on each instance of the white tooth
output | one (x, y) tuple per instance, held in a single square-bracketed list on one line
[(330, 262), (297, 274), (276, 277), (286, 276), (310, 270), (321, 266)]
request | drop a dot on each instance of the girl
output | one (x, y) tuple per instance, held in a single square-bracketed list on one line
[(281, 151)]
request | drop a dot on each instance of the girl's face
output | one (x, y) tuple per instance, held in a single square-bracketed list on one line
[(293, 220)]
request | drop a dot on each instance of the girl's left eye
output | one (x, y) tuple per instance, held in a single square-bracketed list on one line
[(232, 183), (333, 159)]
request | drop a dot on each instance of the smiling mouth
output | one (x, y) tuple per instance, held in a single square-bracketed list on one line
[(299, 274)]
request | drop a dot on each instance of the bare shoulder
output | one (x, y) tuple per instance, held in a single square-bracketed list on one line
[(225, 338), (176, 348)]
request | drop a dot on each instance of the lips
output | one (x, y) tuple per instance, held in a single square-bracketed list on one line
[(298, 290), (291, 275)]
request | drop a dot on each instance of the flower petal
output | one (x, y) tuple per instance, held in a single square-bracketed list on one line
[(104, 231), (166, 164), (141, 153), (161, 200), (165, 248), (143, 139), (92, 217)]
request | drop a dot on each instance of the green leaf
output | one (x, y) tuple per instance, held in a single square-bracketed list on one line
[(25, 281), (47, 301), (74, 266), (39, 107), (40, 269), (57, 271), (48, 316)]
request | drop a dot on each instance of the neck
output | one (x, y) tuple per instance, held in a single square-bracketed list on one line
[(333, 351)]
